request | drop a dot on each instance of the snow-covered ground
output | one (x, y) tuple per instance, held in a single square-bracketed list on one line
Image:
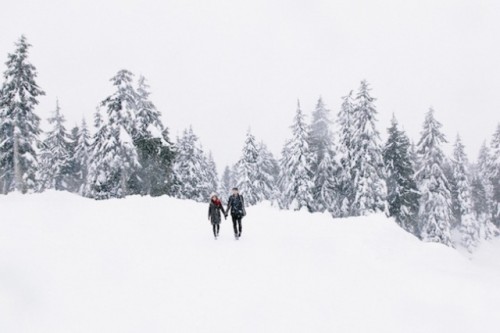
[(69, 264)]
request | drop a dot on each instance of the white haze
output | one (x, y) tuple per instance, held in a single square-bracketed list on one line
[(226, 66)]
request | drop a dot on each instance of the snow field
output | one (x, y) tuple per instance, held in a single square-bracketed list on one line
[(69, 264)]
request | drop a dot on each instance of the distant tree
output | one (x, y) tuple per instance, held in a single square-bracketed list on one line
[(435, 200), (82, 154), (151, 140), (212, 178), (345, 186), (323, 164), (482, 209), (367, 166), (55, 154), (295, 172), (248, 171), (226, 183), (402, 191), (19, 125), (267, 175), (483, 192), (189, 169), (468, 224), (73, 164), (114, 165), (495, 176)]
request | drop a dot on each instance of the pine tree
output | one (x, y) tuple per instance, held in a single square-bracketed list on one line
[(82, 153), (153, 145), (367, 169), (402, 192), (295, 176), (483, 192), (188, 169), (19, 125), (120, 153), (73, 164), (495, 176), (468, 224), (226, 183), (55, 154), (114, 164), (345, 189), (212, 176), (97, 184), (267, 174), (482, 209), (485, 172), (435, 200), (248, 171), (323, 166)]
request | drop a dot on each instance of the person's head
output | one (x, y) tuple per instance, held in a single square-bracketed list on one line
[(213, 196), (235, 191)]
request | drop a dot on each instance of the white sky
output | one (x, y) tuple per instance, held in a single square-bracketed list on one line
[(225, 66)]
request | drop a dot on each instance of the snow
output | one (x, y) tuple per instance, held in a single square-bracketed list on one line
[(140, 264)]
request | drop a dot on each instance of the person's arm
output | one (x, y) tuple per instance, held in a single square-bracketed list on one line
[(243, 206), (229, 201), (209, 211), (222, 208)]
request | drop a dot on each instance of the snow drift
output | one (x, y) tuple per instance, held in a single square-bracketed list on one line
[(69, 264)]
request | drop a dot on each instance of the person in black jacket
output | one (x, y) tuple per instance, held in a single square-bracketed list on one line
[(214, 209), (237, 206)]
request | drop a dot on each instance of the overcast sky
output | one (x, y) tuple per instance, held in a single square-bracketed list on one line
[(226, 66)]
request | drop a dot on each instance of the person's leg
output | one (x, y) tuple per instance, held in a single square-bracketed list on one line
[(235, 226), (239, 227), (214, 227), (218, 228)]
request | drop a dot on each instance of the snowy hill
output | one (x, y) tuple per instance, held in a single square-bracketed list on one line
[(69, 264)]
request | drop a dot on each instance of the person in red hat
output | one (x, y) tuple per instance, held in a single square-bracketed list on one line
[(214, 209)]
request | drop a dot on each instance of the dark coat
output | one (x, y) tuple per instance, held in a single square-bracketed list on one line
[(237, 206), (214, 211)]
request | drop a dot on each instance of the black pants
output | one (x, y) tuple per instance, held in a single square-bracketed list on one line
[(236, 224), (216, 227)]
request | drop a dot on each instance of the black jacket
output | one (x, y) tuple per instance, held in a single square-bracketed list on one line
[(237, 206)]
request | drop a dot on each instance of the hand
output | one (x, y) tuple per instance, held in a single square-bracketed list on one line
[(225, 217)]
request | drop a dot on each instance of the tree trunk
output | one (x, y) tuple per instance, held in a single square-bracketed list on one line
[(18, 176)]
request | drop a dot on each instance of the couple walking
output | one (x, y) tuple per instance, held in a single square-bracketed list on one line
[(235, 204)]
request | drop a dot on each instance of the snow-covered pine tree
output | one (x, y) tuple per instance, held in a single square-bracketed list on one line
[(225, 184), (402, 191), (72, 163), (323, 165), (468, 224), (495, 176), (212, 178), (267, 175), (483, 205), (120, 152), (55, 154), (345, 132), (367, 166), (485, 173), (82, 153), (19, 125), (188, 169), (295, 172), (435, 200), (97, 183), (153, 145), (482, 209), (248, 171)]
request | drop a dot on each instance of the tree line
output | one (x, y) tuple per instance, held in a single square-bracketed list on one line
[(340, 165)]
